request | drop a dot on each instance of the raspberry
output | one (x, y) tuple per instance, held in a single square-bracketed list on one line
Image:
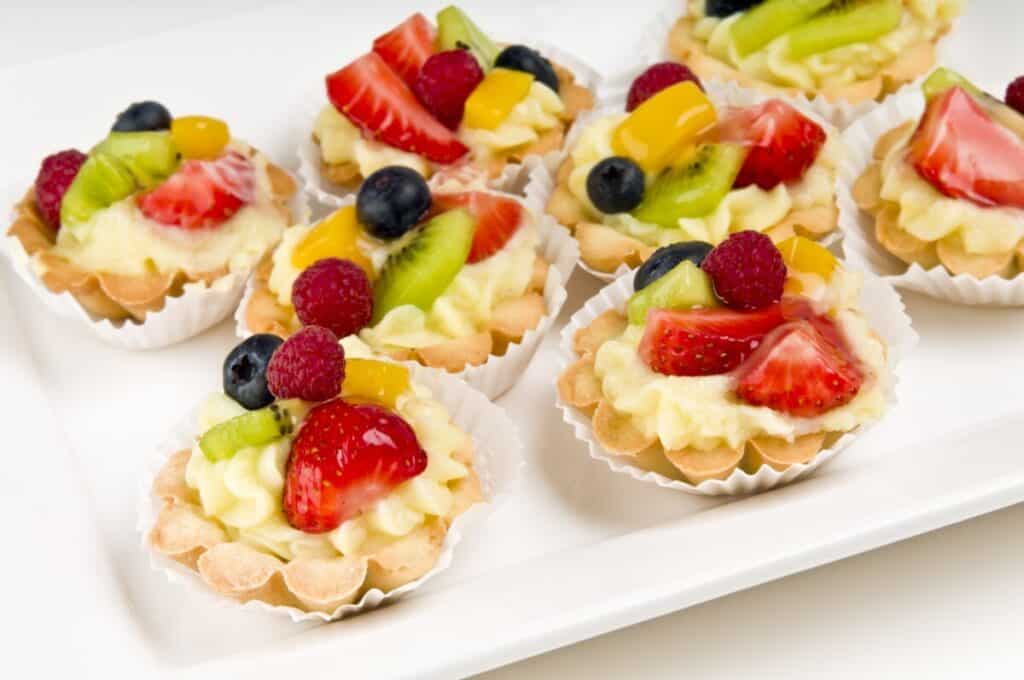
[(657, 78), (335, 294), (445, 83), (747, 271), (1015, 95), (310, 365), (55, 176)]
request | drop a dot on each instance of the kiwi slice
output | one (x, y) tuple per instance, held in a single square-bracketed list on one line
[(685, 286), (456, 30), (421, 271), (101, 181), (845, 22), (151, 157), (254, 428), (766, 22), (942, 79), (693, 190)]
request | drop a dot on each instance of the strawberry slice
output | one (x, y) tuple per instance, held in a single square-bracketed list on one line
[(345, 458), (202, 194), (798, 371), (406, 47), (376, 100), (964, 154), (497, 219)]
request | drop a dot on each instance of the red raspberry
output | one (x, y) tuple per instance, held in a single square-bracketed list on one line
[(335, 294), (55, 176), (657, 78), (445, 83), (1015, 95), (747, 271), (310, 366)]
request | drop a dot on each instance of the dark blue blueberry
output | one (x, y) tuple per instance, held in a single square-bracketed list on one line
[(392, 201), (665, 259), (522, 58), (724, 8), (615, 185), (245, 371), (142, 117)]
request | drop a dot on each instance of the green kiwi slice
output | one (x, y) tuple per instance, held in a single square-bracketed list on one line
[(845, 22), (101, 181), (150, 156), (686, 286), (254, 428), (456, 30), (767, 21)]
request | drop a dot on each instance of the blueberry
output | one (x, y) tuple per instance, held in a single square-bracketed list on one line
[(522, 58), (615, 185), (724, 8), (391, 201), (665, 259), (143, 116), (245, 371)]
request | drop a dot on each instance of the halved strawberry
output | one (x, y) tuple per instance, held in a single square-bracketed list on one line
[(202, 194), (798, 371), (964, 154), (406, 47), (375, 99), (497, 219)]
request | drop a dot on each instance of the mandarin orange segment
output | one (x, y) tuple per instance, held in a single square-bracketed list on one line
[(493, 99), (200, 136), (337, 235), (377, 381), (804, 255)]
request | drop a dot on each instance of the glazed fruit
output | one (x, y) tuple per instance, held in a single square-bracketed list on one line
[(202, 194), (943, 79), (497, 219), (379, 102), (407, 47), (845, 23), (100, 182), (56, 173), (522, 58), (724, 8), (143, 116), (616, 185), (694, 189), (804, 255), (782, 143), (770, 19), (255, 428), (455, 30), (1015, 95), (381, 382), (665, 259), (445, 83), (334, 294), (798, 371), (747, 271), (495, 97), (310, 365), (337, 235), (245, 371), (200, 137), (421, 271), (345, 458), (392, 201), (657, 78), (684, 287), (151, 157)]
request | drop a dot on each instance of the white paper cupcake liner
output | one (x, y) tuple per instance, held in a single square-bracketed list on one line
[(862, 248), (880, 304), (498, 461)]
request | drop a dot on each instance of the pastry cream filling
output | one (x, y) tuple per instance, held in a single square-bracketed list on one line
[(747, 208), (121, 240), (704, 413), (929, 215), (244, 493), (923, 21), (538, 113), (342, 142)]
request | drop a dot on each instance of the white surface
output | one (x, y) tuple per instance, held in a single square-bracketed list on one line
[(942, 606)]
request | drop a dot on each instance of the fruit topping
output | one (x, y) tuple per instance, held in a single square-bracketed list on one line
[(337, 235), (1015, 95), (766, 22), (345, 458), (245, 371), (377, 381), (407, 47), (724, 8), (421, 271), (616, 185), (391, 201), (522, 58), (445, 83), (200, 136), (56, 173), (102, 180), (151, 157), (377, 101), (455, 30), (202, 194), (798, 371), (665, 259), (497, 219), (845, 23), (747, 271), (943, 79), (704, 341), (495, 97), (143, 116), (310, 365), (694, 189), (684, 287), (661, 129), (255, 428), (334, 294), (657, 78), (804, 255)]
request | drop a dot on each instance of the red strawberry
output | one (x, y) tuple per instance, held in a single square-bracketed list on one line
[(704, 341), (783, 143), (202, 194), (497, 219), (406, 47), (798, 308), (964, 154), (798, 371), (345, 458), (374, 98)]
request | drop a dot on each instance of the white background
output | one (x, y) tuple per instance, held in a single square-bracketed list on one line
[(946, 605)]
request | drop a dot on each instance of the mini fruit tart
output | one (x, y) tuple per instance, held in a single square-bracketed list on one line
[(732, 370), (674, 168), (846, 51), (436, 97), (322, 474), (160, 207)]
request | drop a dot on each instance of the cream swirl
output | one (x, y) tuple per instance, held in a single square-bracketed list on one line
[(537, 113)]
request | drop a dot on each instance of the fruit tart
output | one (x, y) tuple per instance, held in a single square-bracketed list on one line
[(161, 206), (434, 97), (731, 370), (850, 51), (673, 167), (321, 473)]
